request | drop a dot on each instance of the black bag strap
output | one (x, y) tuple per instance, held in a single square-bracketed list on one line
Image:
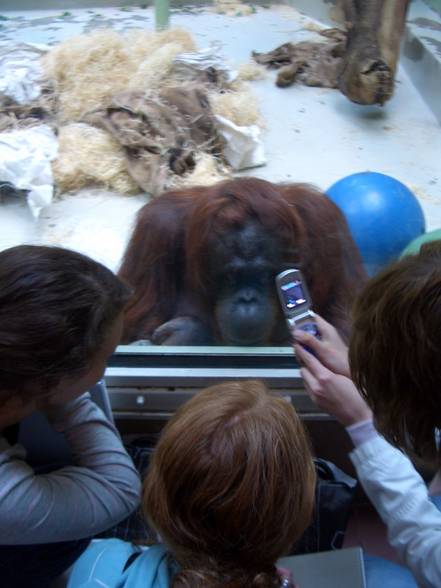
[(11, 434), (131, 560)]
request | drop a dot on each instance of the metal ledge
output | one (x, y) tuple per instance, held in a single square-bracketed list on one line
[(196, 376), (152, 382)]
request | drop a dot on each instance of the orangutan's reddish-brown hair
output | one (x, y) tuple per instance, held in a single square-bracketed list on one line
[(231, 486), (170, 248)]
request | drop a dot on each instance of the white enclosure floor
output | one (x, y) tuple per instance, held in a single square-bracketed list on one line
[(312, 135)]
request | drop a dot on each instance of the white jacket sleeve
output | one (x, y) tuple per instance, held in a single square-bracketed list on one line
[(400, 496), (74, 502)]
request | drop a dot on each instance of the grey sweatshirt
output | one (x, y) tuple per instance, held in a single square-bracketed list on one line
[(74, 502)]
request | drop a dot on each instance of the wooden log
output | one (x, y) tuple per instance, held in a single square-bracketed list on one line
[(375, 28)]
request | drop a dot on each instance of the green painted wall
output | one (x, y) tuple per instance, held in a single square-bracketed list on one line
[(436, 4)]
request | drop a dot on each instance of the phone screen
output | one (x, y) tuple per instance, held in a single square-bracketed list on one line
[(293, 294)]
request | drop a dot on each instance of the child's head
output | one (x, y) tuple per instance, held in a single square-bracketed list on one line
[(231, 485), (58, 311), (395, 350)]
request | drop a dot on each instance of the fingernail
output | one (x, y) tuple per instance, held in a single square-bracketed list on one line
[(298, 334)]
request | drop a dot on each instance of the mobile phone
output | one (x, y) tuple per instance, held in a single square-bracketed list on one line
[(296, 302)]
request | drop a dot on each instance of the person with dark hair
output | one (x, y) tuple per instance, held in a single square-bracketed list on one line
[(61, 317), (229, 490), (395, 365)]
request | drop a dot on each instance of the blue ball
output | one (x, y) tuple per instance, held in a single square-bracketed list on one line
[(382, 213)]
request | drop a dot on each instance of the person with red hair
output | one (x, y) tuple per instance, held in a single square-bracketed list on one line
[(229, 490)]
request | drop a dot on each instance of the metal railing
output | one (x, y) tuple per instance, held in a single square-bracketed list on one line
[(150, 382)]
